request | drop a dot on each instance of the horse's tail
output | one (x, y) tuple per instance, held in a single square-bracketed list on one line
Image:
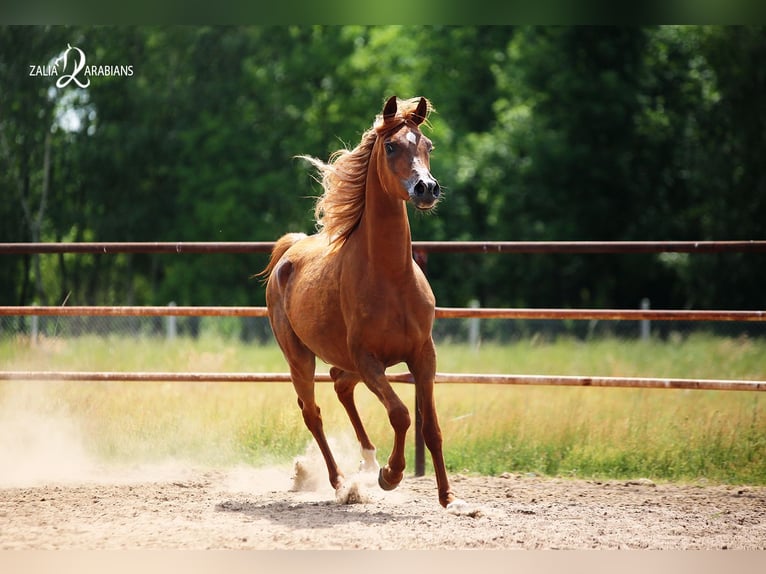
[(283, 244)]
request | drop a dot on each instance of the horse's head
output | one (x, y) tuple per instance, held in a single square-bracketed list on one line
[(404, 154)]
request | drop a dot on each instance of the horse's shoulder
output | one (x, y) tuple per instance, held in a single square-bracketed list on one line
[(309, 247)]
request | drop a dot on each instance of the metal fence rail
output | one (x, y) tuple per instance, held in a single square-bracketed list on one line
[(441, 313), (451, 378), (564, 247)]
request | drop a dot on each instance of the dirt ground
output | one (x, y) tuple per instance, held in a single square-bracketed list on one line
[(250, 508)]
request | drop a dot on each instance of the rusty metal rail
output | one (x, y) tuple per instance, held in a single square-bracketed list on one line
[(599, 314), (452, 378), (110, 248), (563, 247), (577, 247), (441, 313), (135, 311)]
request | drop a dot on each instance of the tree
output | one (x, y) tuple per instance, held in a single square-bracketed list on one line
[(730, 172), (28, 137), (541, 133)]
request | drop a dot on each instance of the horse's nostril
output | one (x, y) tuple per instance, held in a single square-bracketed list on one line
[(436, 190), (420, 188)]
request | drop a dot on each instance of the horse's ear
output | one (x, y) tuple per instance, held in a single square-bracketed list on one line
[(419, 116), (389, 110)]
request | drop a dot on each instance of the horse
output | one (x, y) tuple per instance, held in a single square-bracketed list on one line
[(352, 295)]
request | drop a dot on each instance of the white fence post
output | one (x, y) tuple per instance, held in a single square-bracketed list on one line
[(35, 330), (645, 323), (171, 324), (474, 333)]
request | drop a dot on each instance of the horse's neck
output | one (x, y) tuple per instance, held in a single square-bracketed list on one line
[(385, 231)]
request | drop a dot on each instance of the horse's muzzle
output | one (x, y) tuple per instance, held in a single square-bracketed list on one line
[(425, 194)]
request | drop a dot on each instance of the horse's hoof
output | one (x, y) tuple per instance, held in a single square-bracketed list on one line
[(384, 484)]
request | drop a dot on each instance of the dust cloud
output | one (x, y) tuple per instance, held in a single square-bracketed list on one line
[(40, 441)]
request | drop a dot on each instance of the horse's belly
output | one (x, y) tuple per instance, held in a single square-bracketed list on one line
[(323, 333), (388, 334)]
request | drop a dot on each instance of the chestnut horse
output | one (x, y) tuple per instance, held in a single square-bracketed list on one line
[(352, 295)]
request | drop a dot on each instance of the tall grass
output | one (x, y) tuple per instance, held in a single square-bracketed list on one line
[(719, 436)]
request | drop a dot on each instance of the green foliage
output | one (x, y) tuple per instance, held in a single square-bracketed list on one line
[(541, 133)]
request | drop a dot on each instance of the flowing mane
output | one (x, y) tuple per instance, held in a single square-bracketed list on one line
[(339, 209)]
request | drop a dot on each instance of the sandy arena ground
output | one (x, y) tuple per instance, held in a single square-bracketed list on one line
[(180, 508)]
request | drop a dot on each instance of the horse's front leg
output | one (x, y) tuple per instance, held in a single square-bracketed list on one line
[(373, 374), (423, 369), (345, 383)]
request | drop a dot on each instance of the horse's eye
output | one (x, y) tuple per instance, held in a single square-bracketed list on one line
[(389, 148)]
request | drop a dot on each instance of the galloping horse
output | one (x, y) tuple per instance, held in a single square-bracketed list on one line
[(352, 295)]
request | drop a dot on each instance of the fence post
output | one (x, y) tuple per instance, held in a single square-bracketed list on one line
[(645, 323), (35, 330), (421, 258), (171, 324), (474, 335)]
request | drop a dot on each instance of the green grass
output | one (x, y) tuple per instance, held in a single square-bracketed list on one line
[(587, 432)]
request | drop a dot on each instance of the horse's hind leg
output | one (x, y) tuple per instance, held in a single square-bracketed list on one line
[(302, 364), (303, 381), (345, 383)]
